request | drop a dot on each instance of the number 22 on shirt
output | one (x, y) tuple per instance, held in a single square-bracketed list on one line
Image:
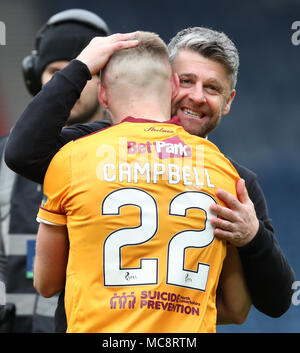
[(147, 272)]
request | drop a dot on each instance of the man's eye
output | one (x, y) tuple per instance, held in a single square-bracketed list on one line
[(213, 89), (185, 82)]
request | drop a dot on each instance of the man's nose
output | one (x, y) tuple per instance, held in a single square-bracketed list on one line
[(197, 95)]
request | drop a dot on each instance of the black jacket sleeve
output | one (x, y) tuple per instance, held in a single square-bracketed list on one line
[(3, 258), (38, 134), (267, 272)]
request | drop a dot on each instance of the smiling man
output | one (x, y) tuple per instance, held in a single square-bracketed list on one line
[(207, 63), (207, 72), (203, 98)]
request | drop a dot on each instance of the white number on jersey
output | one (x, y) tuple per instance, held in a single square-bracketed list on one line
[(147, 272)]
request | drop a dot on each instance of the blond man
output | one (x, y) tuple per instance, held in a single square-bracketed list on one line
[(125, 223)]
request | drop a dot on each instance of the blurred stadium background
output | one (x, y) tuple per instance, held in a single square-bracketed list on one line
[(262, 130)]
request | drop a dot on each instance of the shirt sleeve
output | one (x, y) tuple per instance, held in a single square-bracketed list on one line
[(53, 209), (266, 269), (38, 128)]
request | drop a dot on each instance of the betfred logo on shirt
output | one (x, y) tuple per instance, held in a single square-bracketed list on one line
[(172, 147)]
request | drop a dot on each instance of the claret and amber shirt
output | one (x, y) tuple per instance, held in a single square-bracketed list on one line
[(135, 198)]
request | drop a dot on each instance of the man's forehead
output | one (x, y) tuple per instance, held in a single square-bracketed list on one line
[(186, 58), (189, 62)]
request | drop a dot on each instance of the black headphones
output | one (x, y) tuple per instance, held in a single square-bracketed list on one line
[(29, 64)]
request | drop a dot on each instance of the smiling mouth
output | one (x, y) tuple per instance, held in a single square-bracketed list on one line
[(192, 113)]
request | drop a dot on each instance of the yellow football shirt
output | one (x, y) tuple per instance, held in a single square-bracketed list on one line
[(135, 198)]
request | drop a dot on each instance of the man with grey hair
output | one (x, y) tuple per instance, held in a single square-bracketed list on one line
[(203, 57), (209, 43), (207, 64)]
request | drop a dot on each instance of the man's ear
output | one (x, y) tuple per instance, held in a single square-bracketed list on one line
[(228, 102), (102, 95), (175, 85)]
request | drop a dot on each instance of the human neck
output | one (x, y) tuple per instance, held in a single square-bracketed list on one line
[(99, 115), (87, 117), (144, 110)]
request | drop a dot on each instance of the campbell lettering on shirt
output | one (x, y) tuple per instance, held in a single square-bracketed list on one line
[(133, 173)]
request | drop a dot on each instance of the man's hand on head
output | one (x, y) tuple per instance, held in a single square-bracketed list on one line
[(97, 53)]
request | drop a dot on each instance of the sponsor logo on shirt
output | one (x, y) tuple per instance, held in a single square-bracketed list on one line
[(156, 300), (172, 147)]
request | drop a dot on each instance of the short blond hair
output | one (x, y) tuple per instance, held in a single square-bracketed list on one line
[(145, 66)]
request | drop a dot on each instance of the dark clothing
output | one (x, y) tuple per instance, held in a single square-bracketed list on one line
[(20, 199), (3, 260), (267, 272), (36, 138)]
